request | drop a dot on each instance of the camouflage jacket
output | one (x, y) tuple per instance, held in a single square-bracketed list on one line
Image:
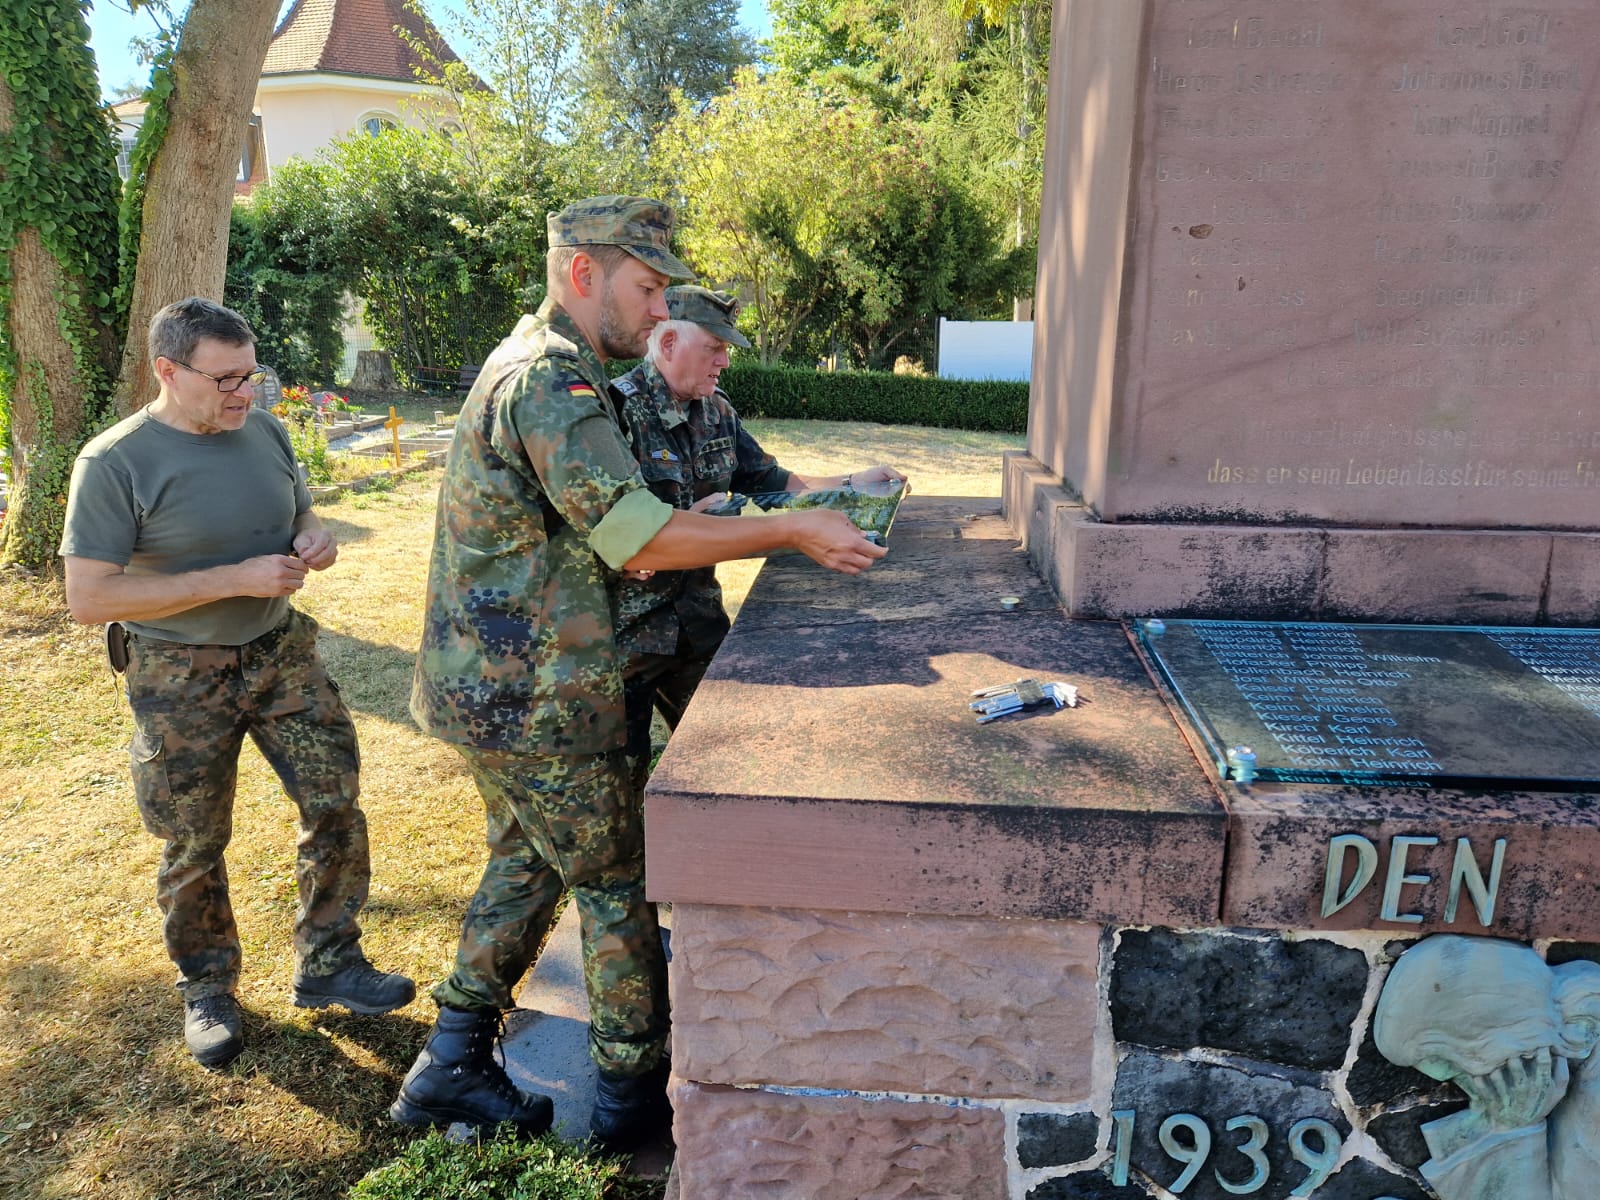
[(541, 504), (685, 453)]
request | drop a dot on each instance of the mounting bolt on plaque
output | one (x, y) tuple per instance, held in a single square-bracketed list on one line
[(1155, 627), (992, 703), (1242, 765)]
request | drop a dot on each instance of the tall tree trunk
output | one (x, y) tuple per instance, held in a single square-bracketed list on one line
[(58, 204), (1025, 41), (183, 249)]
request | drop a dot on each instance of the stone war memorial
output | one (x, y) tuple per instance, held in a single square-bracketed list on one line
[(1302, 896)]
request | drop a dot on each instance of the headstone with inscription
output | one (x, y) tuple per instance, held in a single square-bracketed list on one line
[(1319, 310)]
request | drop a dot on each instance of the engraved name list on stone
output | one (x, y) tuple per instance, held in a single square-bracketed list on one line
[(1398, 704), (1371, 213)]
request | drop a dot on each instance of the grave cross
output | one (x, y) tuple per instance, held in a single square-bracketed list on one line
[(393, 426)]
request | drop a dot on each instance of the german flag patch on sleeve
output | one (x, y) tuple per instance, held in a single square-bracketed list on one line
[(582, 390)]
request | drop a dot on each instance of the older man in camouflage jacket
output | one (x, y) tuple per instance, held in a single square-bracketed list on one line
[(541, 510), (692, 451)]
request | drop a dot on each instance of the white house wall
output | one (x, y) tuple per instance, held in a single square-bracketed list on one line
[(302, 114)]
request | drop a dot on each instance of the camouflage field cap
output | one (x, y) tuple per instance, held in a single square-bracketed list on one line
[(641, 226), (712, 311)]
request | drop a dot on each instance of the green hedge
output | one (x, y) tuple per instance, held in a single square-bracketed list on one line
[(987, 406)]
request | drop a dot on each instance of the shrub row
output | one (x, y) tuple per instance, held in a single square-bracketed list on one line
[(987, 406)]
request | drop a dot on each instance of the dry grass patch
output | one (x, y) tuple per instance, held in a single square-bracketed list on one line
[(97, 1094)]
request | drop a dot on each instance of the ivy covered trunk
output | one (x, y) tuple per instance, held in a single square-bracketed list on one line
[(181, 190), (58, 230)]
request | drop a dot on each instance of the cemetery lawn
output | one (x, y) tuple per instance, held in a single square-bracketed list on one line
[(97, 1093)]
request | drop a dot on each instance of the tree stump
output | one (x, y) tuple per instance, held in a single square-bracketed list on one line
[(374, 372)]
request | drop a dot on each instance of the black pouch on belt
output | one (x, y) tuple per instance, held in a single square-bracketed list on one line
[(117, 647)]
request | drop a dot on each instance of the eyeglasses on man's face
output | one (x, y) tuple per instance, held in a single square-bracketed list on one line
[(228, 383)]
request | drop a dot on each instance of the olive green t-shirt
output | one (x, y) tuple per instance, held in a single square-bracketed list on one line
[(159, 501)]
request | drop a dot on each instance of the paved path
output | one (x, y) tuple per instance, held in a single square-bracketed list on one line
[(547, 1046)]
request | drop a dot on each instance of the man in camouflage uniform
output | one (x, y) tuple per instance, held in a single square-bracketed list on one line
[(692, 451), (541, 510), (188, 527)]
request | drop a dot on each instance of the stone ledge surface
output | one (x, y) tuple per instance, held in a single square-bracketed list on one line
[(838, 765), (1131, 569), (1574, 597), (872, 1002)]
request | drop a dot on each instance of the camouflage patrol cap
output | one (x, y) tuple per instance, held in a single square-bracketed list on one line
[(712, 311), (641, 226)]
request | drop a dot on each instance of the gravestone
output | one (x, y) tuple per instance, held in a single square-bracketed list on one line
[(1318, 316), (271, 390)]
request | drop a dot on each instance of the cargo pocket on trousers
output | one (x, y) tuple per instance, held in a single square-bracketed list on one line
[(151, 788)]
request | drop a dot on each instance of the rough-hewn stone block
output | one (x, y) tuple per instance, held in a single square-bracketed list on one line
[(746, 1144), (1087, 1185), (1268, 998), (1056, 1139), (1362, 1180), (1156, 1088), (873, 1002)]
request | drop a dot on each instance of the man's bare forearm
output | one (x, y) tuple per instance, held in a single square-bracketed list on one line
[(98, 592), (691, 539)]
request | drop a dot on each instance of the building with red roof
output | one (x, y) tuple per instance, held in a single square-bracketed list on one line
[(333, 67)]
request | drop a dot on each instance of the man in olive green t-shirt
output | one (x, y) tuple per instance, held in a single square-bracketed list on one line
[(188, 528)]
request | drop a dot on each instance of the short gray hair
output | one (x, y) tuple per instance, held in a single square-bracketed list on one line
[(681, 328), (178, 328)]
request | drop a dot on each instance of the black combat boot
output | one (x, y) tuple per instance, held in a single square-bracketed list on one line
[(630, 1110), (360, 987), (213, 1029), (456, 1078)]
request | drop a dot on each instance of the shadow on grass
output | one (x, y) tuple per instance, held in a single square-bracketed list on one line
[(308, 1062), (373, 677), (98, 1096), (346, 533)]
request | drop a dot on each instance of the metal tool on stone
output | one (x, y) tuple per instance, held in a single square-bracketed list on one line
[(992, 703)]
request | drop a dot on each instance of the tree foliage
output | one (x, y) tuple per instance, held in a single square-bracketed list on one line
[(527, 52), (832, 218), (287, 276), (922, 248), (643, 58), (971, 73), (763, 174), (443, 257)]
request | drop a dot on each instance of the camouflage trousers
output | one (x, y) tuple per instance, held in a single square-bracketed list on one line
[(664, 683), (559, 822), (192, 707)]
